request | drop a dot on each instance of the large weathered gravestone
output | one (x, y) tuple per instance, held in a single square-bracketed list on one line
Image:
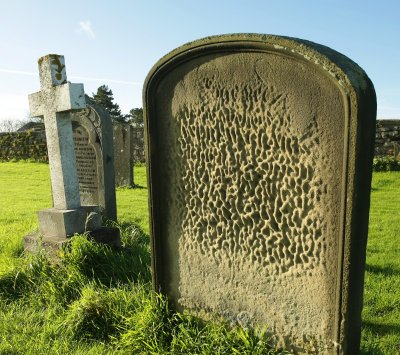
[(93, 139), (259, 153), (123, 153), (55, 102)]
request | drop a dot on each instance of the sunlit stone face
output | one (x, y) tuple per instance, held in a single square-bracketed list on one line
[(249, 159)]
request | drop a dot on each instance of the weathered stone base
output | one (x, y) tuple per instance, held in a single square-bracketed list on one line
[(35, 242), (65, 223), (107, 235)]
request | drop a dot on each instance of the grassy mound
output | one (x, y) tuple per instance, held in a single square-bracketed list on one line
[(95, 300)]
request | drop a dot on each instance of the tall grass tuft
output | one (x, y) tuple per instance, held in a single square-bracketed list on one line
[(108, 266)]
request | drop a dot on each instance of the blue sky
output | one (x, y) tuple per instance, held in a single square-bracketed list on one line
[(117, 42)]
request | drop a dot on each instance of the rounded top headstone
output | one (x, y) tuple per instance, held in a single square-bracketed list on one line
[(346, 71), (259, 151)]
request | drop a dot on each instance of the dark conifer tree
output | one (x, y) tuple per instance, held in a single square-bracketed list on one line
[(104, 97), (136, 116)]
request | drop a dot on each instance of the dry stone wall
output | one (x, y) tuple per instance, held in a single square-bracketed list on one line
[(387, 138), (31, 144)]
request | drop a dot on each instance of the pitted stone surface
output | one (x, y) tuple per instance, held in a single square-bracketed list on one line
[(250, 196), (87, 161), (251, 186), (252, 183)]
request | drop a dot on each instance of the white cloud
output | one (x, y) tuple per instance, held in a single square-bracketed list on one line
[(86, 27)]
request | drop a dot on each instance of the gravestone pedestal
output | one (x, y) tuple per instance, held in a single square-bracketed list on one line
[(57, 226), (65, 223), (36, 241)]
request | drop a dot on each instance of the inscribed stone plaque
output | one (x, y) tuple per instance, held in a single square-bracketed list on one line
[(86, 165), (92, 133), (259, 153)]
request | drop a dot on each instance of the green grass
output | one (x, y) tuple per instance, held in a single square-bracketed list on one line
[(25, 188), (381, 315), (132, 203), (98, 301), (94, 300)]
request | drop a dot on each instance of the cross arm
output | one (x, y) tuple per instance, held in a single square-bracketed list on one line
[(69, 97), (60, 98), (36, 104)]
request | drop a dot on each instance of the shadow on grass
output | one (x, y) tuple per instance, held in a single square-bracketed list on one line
[(387, 270), (12, 286), (377, 331), (20, 281), (381, 329), (371, 350), (134, 186)]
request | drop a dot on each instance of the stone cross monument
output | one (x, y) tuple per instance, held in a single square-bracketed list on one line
[(55, 102)]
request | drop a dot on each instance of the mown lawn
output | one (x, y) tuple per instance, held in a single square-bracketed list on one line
[(98, 301)]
